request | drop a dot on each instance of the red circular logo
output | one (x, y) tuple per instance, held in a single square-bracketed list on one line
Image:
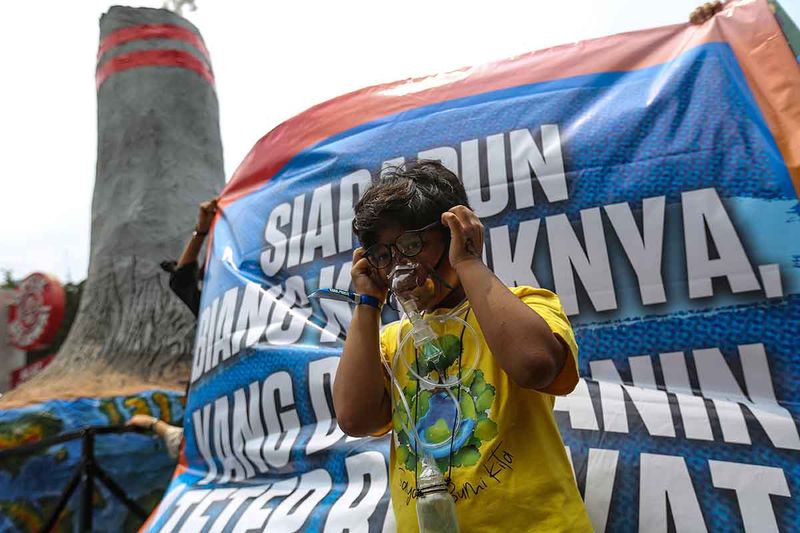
[(35, 314)]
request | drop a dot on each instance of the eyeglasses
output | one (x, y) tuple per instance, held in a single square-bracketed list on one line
[(408, 244)]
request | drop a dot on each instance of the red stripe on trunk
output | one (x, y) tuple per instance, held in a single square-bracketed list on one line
[(152, 31), (153, 58)]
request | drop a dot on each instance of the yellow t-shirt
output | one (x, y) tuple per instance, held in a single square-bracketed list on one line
[(509, 469)]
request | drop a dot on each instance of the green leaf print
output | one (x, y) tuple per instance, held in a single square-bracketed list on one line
[(485, 429), (451, 347), (467, 382), (402, 438), (466, 456), (485, 399), (424, 400), (437, 432), (402, 454), (478, 384), (473, 441), (410, 461), (467, 407), (399, 418)]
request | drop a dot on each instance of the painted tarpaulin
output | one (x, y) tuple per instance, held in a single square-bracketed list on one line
[(649, 178), (32, 484)]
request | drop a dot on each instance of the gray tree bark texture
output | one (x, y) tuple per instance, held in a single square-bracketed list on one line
[(159, 155)]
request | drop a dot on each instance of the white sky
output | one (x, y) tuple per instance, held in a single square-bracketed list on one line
[(271, 61)]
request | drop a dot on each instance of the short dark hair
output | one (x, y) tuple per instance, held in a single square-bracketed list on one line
[(411, 195)]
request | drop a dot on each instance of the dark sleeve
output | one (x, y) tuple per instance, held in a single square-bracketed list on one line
[(184, 283)]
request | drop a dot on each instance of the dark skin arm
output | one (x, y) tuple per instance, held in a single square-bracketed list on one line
[(521, 341), (362, 404), (204, 218)]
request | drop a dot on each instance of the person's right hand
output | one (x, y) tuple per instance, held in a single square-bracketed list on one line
[(366, 280), (206, 215)]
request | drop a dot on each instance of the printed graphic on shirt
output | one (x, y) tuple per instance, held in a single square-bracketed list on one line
[(448, 422)]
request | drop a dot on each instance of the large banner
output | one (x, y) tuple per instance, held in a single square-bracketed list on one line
[(649, 178)]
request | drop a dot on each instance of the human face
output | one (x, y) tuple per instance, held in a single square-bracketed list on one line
[(408, 244), (430, 247)]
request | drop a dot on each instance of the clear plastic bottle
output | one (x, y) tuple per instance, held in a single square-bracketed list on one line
[(436, 510), (407, 287)]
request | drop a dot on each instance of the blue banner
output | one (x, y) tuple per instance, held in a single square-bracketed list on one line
[(649, 179)]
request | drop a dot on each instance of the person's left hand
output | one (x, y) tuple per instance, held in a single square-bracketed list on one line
[(466, 234)]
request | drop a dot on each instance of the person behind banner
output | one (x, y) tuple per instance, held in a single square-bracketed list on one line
[(704, 12), (482, 408), (172, 436), (185, 275)]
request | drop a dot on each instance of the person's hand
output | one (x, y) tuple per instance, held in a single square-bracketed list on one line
[(705, 12), (366, 280), (205, 215), (142, 421), (466, 235)]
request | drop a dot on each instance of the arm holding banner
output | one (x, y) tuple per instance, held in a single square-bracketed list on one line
[(205, 216)]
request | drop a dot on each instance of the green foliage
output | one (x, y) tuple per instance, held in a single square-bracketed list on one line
[(451, 347), (8, 280), (473, 441), (484, 401), (424, 400), (485, 429), (399, 421), (402, 454), (468, 378), (467, 404), (410, 461), (478, 384), (440, 355), (476, 399), (29, 427), (437, 432), (466, 456)]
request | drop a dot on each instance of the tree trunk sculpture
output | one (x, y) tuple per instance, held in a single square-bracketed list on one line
[(158, 156)]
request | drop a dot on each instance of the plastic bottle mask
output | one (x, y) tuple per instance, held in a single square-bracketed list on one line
[(413, 287)]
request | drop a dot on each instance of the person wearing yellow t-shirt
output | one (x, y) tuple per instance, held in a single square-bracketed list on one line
[(482, 406)]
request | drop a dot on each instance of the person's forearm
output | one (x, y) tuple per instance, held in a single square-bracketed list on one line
[(359, 396), (520, 340), (191, 250)]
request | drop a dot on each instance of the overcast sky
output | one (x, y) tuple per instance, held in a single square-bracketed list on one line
[(271, 61)]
